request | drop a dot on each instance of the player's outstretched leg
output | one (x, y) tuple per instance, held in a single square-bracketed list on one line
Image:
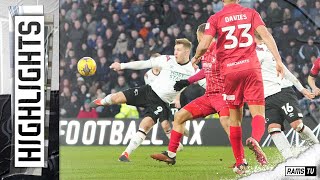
[(176, 134), (116, 98), (304, 132), (144, 127)]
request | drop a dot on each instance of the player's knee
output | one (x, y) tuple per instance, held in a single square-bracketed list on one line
[(179, 118), (297, 126), (116, 98), (147, 123), (225, 122), (257, 110), (165, 125), (274, 130), (274, 126)]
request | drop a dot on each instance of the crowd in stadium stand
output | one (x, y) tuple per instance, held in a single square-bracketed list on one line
[(129, 30)]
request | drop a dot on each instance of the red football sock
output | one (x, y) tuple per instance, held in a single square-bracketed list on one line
[(258, 127), (236, 143), (174, 141)]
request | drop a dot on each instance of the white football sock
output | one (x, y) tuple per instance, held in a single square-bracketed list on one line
[(107, 100), (136, 140), (171, 154), (306, 134), (281, 142)]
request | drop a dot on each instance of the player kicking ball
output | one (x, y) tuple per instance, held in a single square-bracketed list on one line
[(282, 102), (156, 96)]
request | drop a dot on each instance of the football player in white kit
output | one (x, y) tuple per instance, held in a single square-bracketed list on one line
[(156, 96), (281, 101), (149, 77)]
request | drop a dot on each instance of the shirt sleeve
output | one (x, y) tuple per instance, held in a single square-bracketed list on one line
[(151, 63), (211, 25), (315, 68), (200, 75), (257, 20), (289, 76)]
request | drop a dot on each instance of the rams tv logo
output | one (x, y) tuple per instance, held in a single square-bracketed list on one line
[(29, 91), (301, 170)]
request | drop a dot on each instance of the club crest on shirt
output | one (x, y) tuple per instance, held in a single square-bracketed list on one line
[(207, 26)]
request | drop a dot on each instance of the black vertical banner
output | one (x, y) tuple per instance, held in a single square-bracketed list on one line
[(5, 133)]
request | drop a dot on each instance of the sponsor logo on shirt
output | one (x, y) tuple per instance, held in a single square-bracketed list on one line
[(238, 63), (207, 26)]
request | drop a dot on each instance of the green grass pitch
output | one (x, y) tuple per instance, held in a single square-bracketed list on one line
[(194, 162)]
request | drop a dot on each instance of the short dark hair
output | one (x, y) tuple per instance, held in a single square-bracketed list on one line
[(201, 27)]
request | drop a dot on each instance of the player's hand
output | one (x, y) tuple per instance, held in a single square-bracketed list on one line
[(115, 66), (195, 61), (177, 103), (316, 91), (308, 94), (181, 84), (280, 70)]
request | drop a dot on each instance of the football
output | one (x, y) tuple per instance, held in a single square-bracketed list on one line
[(87, 66)]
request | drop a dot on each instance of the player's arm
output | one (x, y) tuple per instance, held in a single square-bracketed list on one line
[(186, 82), (202, 48), (312, 78), (289, 76), (137, 65), (210, 32), (312, 84), (271, 44), (176, 100)]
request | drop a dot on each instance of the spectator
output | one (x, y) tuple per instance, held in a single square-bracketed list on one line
[(64, 37), (274, 13), (74, 9), (110, 42), (315, 13), (145, 31), (169, 16), (125, 17), (135, 80), (139, 47), (286, 18), (102, 26), (121, 84), (301, 6), (217, 5), (308, 50), (87, 112), (284, 37), (153, 47), (189, 33), (76, 35), (121, 45)]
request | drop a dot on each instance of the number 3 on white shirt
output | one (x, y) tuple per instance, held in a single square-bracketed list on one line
[(230, 36)]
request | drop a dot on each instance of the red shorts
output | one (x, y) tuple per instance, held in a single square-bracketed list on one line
[(206, 105), (244, 86)]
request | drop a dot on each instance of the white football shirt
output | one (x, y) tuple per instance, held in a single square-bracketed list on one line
[(149, 77), (170, 72), (271, 82)]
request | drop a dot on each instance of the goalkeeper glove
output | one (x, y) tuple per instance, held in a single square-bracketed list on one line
[(181, 84)]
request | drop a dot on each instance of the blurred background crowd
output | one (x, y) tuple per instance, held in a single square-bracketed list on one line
[(130, 30)]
